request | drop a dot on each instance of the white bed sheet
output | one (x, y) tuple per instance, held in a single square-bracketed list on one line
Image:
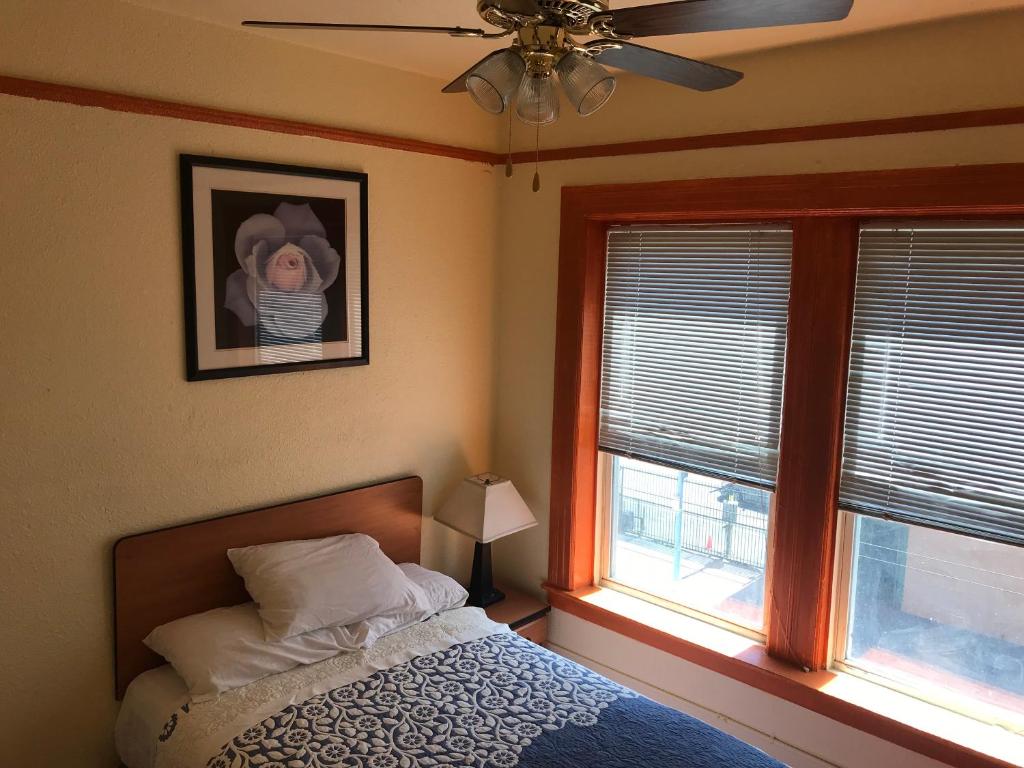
[(153, 697), (148, 704)]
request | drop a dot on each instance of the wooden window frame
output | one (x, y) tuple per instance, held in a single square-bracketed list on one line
[(825, 211)]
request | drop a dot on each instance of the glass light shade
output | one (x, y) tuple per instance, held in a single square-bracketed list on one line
[(587, 84), (493, 83), (537, 103)]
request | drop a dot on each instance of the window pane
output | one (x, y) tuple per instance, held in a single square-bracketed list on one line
[(939, 612), (690, 539)]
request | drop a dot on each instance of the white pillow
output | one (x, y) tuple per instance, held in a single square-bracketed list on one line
[(301, 586), (443, 592), (226, 648), (440, 593)]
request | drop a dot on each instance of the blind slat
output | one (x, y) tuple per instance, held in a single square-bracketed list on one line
[(935, 411), (694, 347)]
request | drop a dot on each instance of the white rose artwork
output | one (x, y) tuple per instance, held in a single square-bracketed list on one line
[(275, 268), (286, 264)]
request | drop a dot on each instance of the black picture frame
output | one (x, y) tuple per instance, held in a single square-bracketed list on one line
[(195, 370)]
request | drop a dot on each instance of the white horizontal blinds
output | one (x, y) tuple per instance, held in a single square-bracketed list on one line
[(694, 347), (935, 414)]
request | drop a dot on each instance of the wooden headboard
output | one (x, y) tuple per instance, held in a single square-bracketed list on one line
[(174, 572)]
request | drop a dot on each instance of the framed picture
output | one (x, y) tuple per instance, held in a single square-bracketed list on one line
[(275, 268)]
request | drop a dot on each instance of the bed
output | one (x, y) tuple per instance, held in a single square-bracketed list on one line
[(455, 690)]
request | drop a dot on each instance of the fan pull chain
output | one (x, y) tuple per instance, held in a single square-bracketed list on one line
[(536, 165), (508, 161)]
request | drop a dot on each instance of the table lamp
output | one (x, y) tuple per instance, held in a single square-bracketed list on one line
[(485, 507)]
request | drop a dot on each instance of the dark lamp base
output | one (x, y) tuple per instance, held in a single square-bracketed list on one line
[(482, 592)]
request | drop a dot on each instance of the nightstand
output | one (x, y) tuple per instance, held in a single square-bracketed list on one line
[(525, 614)]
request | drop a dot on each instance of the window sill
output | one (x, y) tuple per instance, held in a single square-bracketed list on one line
[(908, 722)]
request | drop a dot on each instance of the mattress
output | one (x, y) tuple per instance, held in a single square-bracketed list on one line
[(150, 704), (458, 690)]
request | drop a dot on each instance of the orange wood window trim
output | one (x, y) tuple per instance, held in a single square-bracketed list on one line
[(824, 210), (121, 102), (760, 670), (805, 519), (577, 394)]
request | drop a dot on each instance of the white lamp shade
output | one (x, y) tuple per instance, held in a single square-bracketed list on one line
[(485, 508)]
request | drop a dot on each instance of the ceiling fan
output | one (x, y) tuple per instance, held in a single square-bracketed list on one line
[(546, 43)]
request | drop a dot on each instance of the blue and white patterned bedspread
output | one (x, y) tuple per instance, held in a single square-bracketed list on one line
[(495, 702)]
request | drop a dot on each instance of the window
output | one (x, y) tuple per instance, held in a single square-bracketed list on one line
[(891, 482), (691, 395), (933, 467)]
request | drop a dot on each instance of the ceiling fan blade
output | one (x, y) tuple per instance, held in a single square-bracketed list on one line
[(453, 31), (677, 70), (715, 15), (458, 85)]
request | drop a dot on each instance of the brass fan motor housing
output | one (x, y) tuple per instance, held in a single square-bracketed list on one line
[(573, 16), (542, 47)]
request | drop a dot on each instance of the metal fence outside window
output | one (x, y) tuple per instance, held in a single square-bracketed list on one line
[(682, 512)]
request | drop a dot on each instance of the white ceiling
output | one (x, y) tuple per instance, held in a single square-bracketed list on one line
[(444, 57)]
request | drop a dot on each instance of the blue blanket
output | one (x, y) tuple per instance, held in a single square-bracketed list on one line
[(492, 703)]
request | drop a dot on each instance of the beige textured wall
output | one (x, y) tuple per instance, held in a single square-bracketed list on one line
[(100, 435)]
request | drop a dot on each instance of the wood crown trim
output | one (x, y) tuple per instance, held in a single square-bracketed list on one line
[(947, 121), (120, 102)]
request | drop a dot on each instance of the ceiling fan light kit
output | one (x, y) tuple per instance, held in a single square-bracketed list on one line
[(494, 82), (587, 84), (537, 103), (547, 44), (544, 52)]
